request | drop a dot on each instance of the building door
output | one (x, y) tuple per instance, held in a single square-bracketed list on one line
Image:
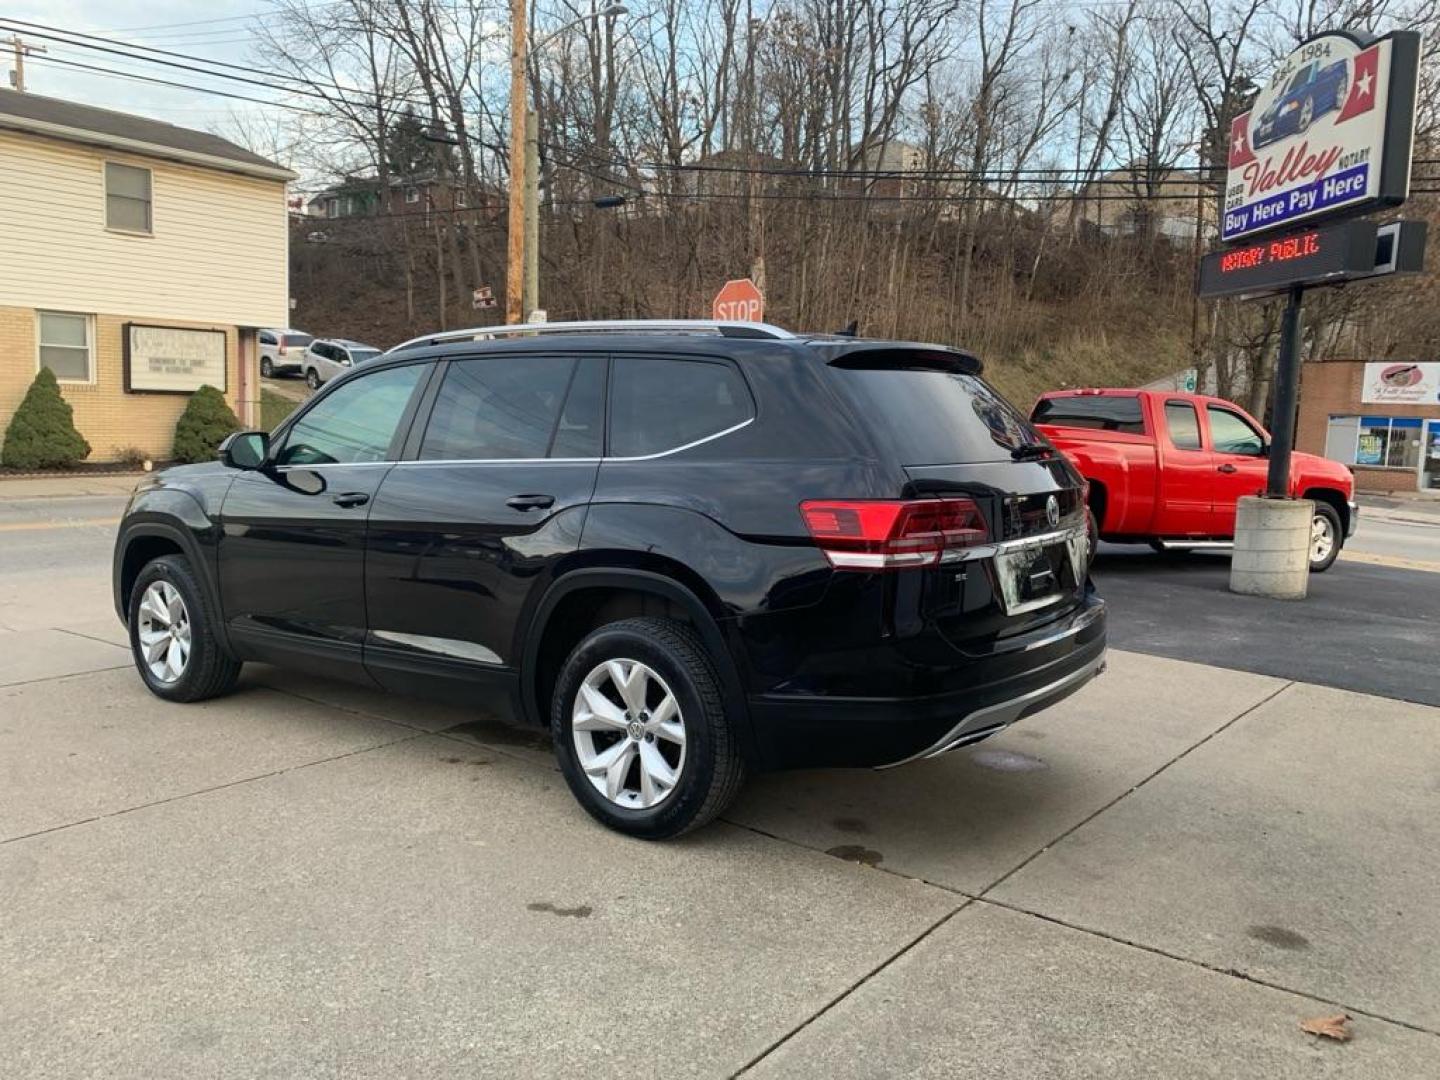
[(1430, 457), (1340, 438)]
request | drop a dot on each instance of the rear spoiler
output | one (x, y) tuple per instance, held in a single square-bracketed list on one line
[(879, 355)]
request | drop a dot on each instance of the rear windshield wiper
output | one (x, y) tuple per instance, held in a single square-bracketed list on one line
[(1030, 450)]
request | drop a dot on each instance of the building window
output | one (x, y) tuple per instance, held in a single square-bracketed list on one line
[(460, 198), (65, 345), (127, 198), (1388, 442), (412, 195), (332, 208)]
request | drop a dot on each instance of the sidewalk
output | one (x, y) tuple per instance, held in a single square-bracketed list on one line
[(63, 487), (1421, 504)]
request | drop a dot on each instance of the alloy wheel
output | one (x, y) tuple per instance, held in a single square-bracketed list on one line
[(164, 631), (1322, 538), (629, 734)]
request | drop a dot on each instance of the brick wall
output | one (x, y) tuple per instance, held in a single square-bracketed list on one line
[(110, 419), (1333, 389)]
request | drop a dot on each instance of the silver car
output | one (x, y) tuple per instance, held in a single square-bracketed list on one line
[(282, 352), (328, 357)]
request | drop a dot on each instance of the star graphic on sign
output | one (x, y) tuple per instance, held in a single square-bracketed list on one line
[(1363, 84), (1240, 142)]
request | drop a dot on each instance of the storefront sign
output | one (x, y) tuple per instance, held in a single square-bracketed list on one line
[(1330, 134), (169, 360), (1401, 384), (1327, 253)]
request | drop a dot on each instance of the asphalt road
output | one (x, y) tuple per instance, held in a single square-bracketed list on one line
[(1364, 626)]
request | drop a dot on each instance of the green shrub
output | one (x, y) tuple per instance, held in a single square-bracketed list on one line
[(42, 432), (203, 426)]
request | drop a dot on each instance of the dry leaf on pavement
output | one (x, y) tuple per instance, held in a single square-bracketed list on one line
[(1332, 1027)]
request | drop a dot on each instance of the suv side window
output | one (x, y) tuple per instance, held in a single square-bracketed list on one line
[(1184, 425), (659, 403), (355, 423), (1231, 434), (266, 338), (497, 408)]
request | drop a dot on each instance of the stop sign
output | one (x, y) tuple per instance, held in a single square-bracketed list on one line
[(738, 301)]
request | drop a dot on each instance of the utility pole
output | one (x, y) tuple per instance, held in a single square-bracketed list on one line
[(531, 291), (17, 43), (515, 261)]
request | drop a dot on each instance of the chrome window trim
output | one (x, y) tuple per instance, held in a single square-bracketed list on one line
[(532, 461)]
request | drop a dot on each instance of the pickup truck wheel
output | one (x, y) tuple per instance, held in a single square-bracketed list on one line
[(1326, 537), (641, 731), (172, 637)]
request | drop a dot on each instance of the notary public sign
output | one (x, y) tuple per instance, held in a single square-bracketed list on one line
[(1331, 134)]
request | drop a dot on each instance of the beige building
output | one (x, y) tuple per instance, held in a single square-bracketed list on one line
[(1120, 203), (137, 261)]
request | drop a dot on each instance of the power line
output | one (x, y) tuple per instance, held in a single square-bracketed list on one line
[(178, 85), (305, 89)]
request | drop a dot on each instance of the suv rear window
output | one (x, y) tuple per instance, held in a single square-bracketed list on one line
[(1100, 412), (658, 403), (298, 339), (936, 417)]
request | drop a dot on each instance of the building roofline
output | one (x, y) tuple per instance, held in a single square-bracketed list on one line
[(65, 133)]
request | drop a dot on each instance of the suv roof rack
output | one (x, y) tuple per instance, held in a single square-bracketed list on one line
[(607, 326)]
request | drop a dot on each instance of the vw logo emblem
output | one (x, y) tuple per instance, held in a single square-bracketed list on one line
[(1052, 511)]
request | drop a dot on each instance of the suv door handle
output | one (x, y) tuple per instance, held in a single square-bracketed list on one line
[(1227, 468), (351, 498), (530, 502)]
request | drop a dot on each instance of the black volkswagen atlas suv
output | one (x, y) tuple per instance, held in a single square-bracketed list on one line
[(691, 549)]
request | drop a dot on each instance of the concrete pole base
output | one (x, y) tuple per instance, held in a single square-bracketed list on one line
[(1272, 548)]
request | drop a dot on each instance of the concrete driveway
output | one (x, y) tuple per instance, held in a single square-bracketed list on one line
[(1160, 878)]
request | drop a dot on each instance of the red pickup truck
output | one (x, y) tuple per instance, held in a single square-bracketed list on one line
[(1166, 468)]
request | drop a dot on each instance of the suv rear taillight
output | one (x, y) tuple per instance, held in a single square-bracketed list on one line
[(891, 534), (282, 348)]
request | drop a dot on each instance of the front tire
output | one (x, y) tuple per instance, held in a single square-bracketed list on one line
[(312, 379), (172, 634), (641, 732), (1326, 538)]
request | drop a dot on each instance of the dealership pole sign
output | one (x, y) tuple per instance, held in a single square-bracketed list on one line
[(1330, 135)]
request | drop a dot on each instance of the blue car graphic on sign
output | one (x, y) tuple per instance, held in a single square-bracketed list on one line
[(1312, 92)]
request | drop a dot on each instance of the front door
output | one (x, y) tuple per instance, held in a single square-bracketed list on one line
[(292, 549), (1241, 467), (472, 526), (1187, 475)]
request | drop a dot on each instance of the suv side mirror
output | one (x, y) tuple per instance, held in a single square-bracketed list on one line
[(245, 450)]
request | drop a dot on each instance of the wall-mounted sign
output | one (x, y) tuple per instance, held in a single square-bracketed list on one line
[(1401, 383), (1331, 133), (171, 360), (1327, 253)]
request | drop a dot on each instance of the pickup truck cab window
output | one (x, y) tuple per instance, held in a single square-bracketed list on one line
[(1098, 412), (1183, 424), (1231, 433)]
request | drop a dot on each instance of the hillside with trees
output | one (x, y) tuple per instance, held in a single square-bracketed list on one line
[(1032, 180)]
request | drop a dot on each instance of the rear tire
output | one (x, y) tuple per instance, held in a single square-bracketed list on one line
[(652, 756), (172, 634), (1327, 536)]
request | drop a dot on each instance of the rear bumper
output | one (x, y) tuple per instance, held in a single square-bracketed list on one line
[(820, 731)]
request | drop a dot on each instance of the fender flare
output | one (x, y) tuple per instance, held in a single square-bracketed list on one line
[(636, 580), (184, 537)]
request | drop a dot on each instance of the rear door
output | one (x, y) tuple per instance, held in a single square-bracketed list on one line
[(1187, 473), (1241, 467), (492, 494)]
